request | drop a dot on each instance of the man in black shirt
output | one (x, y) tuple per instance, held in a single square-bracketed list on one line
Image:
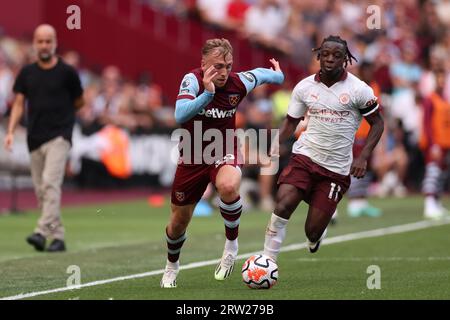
[(53, 93)]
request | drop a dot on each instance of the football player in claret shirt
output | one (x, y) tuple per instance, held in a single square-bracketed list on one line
[(207, 100), (321, 162)]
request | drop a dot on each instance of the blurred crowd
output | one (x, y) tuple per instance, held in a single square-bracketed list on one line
[(400, 60)]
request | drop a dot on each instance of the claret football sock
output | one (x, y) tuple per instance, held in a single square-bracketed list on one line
[(174, 247), (231, 213)]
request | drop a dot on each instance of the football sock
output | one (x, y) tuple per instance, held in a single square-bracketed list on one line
[(232, 246), (432, 181), (231, 213), (174, 247), (172, 265), (275, 233)]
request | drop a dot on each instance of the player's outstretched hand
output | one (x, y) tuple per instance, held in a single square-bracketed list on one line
[(359, 167), (210, 73), (276, 65)]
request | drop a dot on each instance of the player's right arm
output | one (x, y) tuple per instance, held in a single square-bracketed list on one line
[(16, 114), (189, 103)]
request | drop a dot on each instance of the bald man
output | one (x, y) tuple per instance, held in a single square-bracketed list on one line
[(53, 92)]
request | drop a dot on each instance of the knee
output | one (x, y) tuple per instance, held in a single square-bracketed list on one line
[(228, 189), (283, 209)]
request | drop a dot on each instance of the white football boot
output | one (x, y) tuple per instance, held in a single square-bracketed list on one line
[(225, 266), (433, 210), (169, 279), (314, 246)]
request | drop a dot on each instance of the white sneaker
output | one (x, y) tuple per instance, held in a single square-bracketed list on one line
[(433, 213), (432, 209), (225, 267), (314, 246), (169, 279)]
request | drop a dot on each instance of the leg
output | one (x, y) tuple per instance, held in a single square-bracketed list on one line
[(37, 167), (188, 186), (325, 196), (180, 217), (287, 200), (432, 189), (56, 153), (38, 238), (227, 181), (316, 223)]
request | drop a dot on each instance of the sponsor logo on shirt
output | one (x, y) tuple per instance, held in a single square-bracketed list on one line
[(327, 115), (217, 113)]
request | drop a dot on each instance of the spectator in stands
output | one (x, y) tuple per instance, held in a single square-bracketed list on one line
[(406, 75), (358, 193), (53, 92), (435, 142), (236, 11), (214, 13), (264, 22), (295, 39), (390, 161), (6, 83), (259, 116)]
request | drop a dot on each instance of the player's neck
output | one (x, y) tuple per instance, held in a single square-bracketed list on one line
[(330, 78), (48, 64)]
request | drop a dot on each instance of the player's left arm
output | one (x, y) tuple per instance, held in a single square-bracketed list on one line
[(371, 113), (260, 76)]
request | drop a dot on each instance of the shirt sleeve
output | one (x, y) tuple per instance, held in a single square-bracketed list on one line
[(189, 87), (188, 103), (19, 84), (366, 101), (260, 76), (297, 107)]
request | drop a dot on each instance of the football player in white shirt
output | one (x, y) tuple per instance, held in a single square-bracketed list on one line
[(321, 163)]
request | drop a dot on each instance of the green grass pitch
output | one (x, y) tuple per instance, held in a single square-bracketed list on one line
[(122, 239)]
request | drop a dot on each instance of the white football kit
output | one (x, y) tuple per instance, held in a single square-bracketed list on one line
[(335, 114)]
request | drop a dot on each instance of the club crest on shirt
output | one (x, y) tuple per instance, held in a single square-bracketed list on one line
[(180, 196), (233, 99), (344, 98)]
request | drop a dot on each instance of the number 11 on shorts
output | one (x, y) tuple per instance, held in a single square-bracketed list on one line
[(334, 191)]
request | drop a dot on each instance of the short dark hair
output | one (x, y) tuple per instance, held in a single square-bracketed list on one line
[(348, 55)]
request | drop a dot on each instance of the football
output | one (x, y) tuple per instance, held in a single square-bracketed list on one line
[(260, 272)]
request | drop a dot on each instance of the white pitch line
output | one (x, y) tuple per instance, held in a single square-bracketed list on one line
[(338, 239)]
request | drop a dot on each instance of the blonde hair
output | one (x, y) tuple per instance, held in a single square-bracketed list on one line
[(222, 45)]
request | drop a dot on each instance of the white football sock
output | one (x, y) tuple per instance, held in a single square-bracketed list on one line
[(173, 265), (275, 233), (232, 246)]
